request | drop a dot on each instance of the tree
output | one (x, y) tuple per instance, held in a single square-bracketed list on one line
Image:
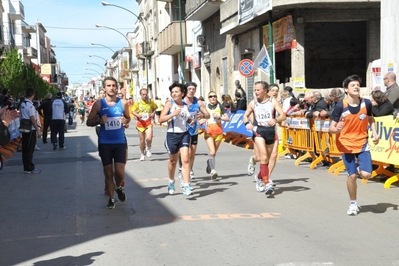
[(17, 76)]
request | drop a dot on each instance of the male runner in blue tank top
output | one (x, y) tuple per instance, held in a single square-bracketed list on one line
[(112, 114)]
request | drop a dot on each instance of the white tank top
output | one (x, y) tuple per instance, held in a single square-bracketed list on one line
[(178, 124), (264, 112)]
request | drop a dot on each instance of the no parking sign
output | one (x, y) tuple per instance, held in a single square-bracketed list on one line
[(246, 67)]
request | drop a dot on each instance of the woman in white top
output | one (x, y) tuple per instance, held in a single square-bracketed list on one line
[(264, 109), (176, 113)]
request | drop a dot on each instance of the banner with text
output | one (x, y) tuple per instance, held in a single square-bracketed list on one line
[(283, 34), (387, 149), (248, 9)]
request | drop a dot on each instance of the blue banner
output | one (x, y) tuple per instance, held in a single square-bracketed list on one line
[(236, 124)]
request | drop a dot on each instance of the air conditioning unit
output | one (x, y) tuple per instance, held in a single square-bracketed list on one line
[(201, 40)]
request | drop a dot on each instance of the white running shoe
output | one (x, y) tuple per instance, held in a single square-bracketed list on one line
[(353, 210), (260, 185), (180, 177), (192, 176), (142, 157), (272, 183), (171, 187), (37, 148), (251, 167), (187, 190), (148, 152), (269, 189), (214, 174)]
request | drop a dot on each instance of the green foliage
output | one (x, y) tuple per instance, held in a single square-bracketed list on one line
[(17, 76)]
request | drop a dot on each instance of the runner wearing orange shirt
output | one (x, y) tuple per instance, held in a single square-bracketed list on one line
[(350, 120)]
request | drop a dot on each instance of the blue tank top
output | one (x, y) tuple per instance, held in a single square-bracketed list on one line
[(193, 109), (112, 132)]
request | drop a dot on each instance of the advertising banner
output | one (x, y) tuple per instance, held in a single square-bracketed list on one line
[(283, 34), (387, 149), (248, 9)]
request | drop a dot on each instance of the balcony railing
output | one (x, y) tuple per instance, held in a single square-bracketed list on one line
[(17, 12), (169, 38)]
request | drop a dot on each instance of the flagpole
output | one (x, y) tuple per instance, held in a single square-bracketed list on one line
[(271, 52)]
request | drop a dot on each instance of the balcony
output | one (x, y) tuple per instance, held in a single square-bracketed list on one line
[(135, 66), (140, 50), (169, 38), (17, 10), (31, 52), (202, 9)]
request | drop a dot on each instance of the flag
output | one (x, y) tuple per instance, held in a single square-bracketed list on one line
[(262, 61)]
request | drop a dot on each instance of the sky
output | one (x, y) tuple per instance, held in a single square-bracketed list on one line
[(70, 25)]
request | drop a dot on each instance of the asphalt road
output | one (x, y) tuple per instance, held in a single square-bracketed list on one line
[(59, 217)]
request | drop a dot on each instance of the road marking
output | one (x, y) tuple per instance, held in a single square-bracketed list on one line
[(328, 263), (265, 215), (39, 237)]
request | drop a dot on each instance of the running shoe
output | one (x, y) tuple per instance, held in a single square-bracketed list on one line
[(34, 171), (353, 210), (208, 167), (111, 203), (192, 176), (270, 180), (54, 147), (260, 185), (187, 190), (269, 189), (214, 174), (180, 177), (148, 152), (251, 167), (62, 148), (142, 157), (171, 187), (121, 194), (37, 148)]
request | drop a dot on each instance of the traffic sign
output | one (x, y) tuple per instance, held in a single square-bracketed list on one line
[(246, 67)]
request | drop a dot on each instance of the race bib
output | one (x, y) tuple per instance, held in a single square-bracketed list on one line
[(145, 116), (113, 123)]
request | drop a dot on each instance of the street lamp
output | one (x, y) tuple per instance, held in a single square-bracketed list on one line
[(93, 43), (145, 34), (102, 26), (93, 55), (92, 74), (96, 65), (94, 71), (130, 46)]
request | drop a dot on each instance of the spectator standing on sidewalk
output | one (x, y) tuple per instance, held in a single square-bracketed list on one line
[(45, 110), (39, 124), (350, 121), (59, 109), (392, 91), (27, 111), (112, 114), (6, 116)]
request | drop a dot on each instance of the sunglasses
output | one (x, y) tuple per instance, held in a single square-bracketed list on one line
[(212, 96)]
